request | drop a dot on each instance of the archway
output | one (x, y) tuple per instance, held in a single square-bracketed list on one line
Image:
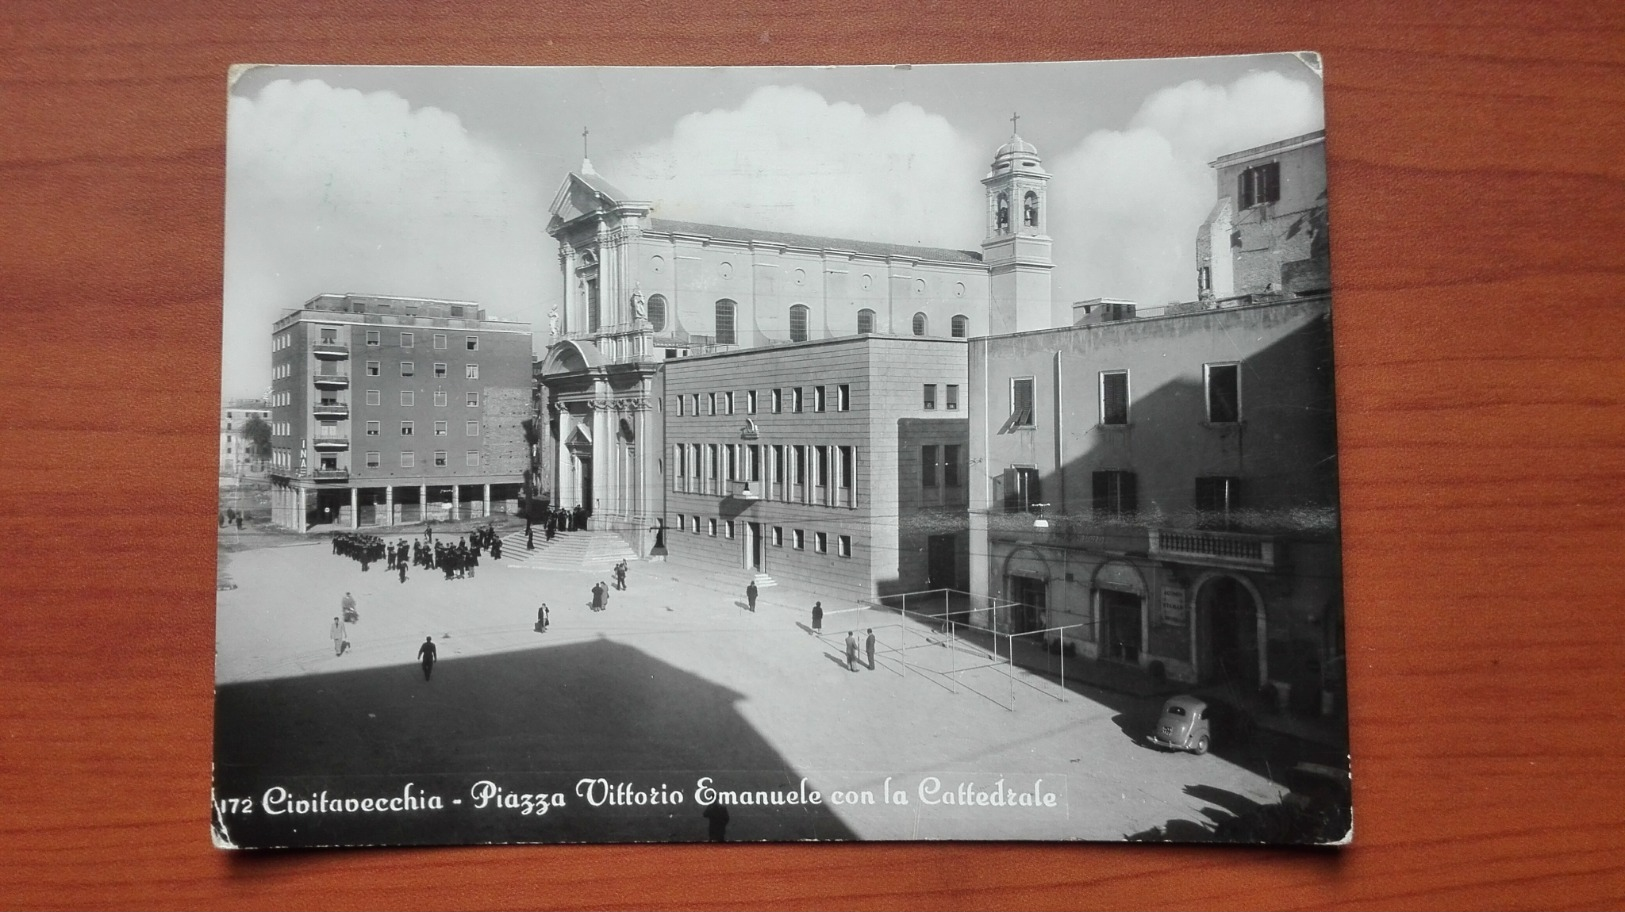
[(1230, 631)]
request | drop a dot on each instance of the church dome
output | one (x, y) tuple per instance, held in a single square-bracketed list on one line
[(1016, 154)]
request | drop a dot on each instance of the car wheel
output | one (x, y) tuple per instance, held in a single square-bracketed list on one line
[(1201, 746)]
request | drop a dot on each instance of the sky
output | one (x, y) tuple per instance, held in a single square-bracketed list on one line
[(435, 182)]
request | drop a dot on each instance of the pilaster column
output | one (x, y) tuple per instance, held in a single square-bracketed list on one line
[(355, 508), (389, 505), (423, 503), (487, 501)]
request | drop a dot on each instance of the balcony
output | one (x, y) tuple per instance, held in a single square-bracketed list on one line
[(331, 410), (620, 342), (330, 351), (331, 444), (1216, 549), (313, 474), (331, 381)]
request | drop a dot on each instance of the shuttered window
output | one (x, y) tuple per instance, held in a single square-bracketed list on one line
[(1021, 402), (1115, 494), (1114, 397)]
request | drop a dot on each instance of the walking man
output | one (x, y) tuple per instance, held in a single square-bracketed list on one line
[(426, 655), (604, 588), (851, 651), (541, 618), (869, 645), (339, 637), (530, 539), (620, 576), (818, 617), (401, 566), (347, 606), (750, 595), (598, 597)]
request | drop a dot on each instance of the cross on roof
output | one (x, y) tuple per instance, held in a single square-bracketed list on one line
[(583, 142), (1013, 118)]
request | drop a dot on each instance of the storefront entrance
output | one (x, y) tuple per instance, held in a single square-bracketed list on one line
[(1229, 634), (1120, 618)]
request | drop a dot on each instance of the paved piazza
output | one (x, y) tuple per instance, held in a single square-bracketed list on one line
[(674, 682)]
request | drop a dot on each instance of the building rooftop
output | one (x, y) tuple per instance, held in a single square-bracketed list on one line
[(1274, 148), (812, 241), (778, 349)]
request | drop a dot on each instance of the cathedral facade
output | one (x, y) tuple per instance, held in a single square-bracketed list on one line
[(639, 290)]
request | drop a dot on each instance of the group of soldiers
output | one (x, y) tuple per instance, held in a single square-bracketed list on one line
[(361, 547), (562, 520), (458, 559)]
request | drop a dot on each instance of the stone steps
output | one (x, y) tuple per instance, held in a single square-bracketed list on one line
[(579, 551)]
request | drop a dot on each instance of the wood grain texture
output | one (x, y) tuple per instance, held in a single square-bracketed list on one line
[(1478, 184)]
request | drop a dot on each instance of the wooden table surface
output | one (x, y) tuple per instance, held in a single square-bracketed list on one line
[(1478, 181)]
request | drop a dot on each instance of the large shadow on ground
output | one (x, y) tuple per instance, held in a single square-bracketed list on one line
[(532, 722)]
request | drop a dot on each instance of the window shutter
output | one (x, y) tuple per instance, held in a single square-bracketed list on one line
[(1012, 496), (1130, 495), (1102, 488)]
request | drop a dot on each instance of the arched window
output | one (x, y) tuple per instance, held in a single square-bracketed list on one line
[(725, 323), (657, 312), (919, 324), (798, 323), (866, 321), (1029, 209), (960, 326)]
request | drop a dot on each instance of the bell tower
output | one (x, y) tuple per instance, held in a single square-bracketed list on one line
[(1017, 247)]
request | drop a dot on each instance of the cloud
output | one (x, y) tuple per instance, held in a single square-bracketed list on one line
[(788, 160), (335, 190), (1125, 205)]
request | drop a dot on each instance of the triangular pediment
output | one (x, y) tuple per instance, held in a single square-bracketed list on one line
[(585, 195)]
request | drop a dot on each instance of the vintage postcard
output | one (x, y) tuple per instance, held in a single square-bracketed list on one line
[(743, 454)]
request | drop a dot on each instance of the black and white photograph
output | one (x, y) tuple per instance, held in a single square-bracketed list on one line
[(743, 454)]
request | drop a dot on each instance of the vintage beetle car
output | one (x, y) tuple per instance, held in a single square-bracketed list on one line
[(1183, 726)]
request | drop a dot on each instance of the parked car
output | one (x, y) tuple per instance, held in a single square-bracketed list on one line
[(1184, 725)]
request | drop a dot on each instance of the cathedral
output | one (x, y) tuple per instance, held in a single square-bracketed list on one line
[(639, 290)]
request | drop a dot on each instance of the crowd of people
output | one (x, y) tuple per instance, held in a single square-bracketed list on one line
[(360, 547), (457, 557)]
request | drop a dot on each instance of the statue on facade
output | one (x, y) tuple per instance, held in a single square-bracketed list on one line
[(553, 322), (639, 313)]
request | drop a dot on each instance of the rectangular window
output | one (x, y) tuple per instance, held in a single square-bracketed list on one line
[(798, 465), (711, 527), (408, 368), (843, 546), (682, 522), (848, 466), (679, 471), (439, 340), (471, 372), (375, 338), (777, 398), (930, 395), (821, 542), (408, 460), (374, 397), (408, 398), (373, 369), (798, 540), (407, 428), (440, 457), (471, 429), (1114, 494), (440, 397), (440, 429), (1114, 397), (373, 429), (710, 403), (1259, 184), (928, 466), (843, 398), (1021, 402), (950, 465), (1217, 497), (753, 463), (680, 406), (374, 459), (471, 458), (1223, 393), (952, 402), (407, 340), (473, 343), (821, 465), (750, 402), (818, 398), (440, 370), (1022, 490), (711, 464), (795, 400), (473, 400), (728, 403), (728, 529), (778, 536)]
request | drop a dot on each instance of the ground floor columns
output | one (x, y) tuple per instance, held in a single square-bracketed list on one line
[(355, 508), (389, 505), (603, 467), (455, 490), (486, 503)]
